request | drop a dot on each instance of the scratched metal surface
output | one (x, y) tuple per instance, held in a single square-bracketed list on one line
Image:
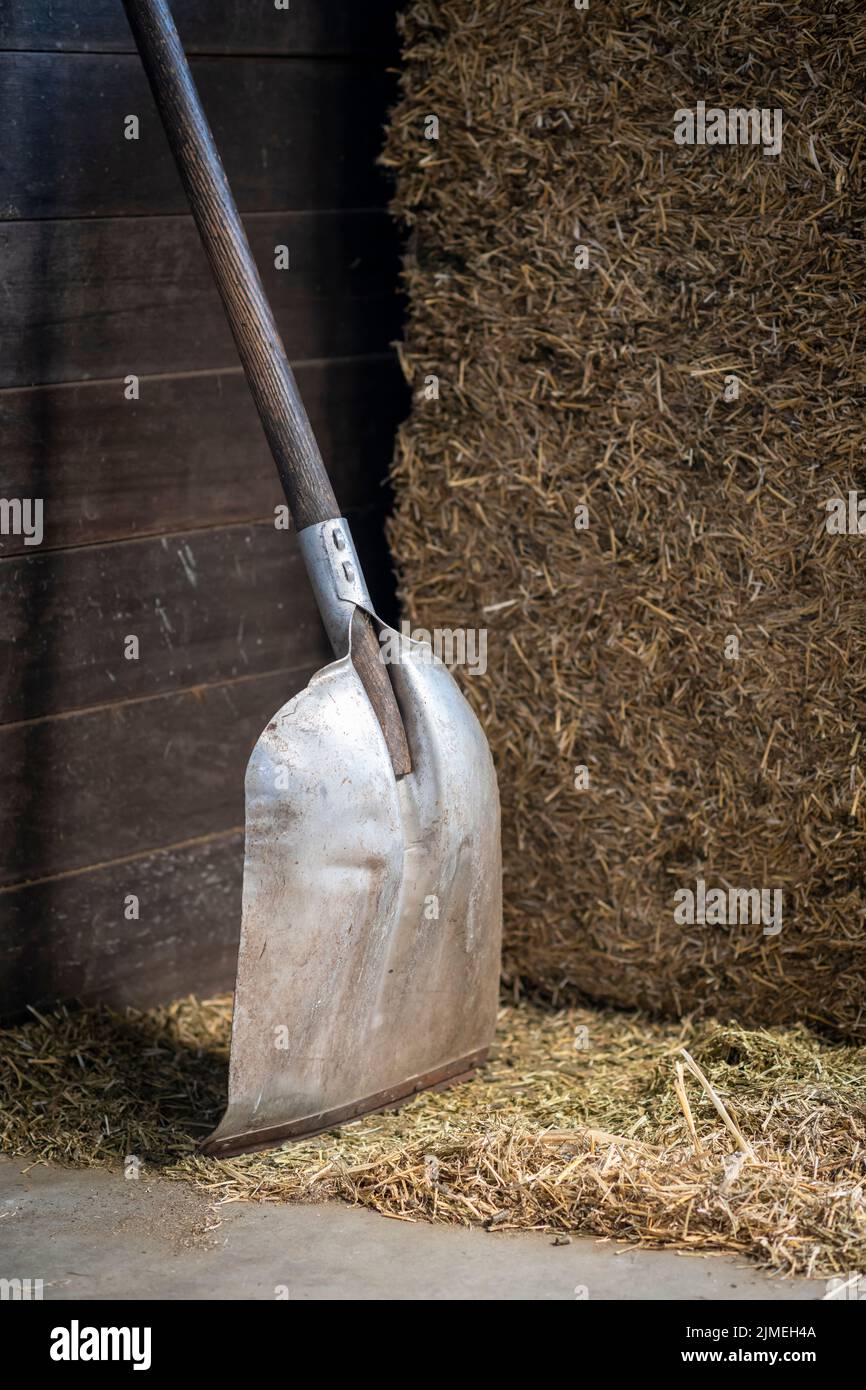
[(348, 984)]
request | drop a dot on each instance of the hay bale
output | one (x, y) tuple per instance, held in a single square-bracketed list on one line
[(610, 647)]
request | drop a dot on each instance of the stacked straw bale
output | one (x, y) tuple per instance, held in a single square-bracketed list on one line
[(610, 647)]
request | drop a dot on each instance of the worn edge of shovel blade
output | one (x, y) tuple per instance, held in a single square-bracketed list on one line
[(451, 1075)]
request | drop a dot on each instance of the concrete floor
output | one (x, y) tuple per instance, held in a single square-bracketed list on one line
[(93, 1234)]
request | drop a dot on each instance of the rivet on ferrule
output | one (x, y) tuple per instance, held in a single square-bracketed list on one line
[(336, 576)]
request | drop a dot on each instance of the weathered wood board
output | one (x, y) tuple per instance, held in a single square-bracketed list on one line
[(288, 134), (98, 624), (311, 27), (107, 297), (189, 452), (76, 937), (85, 787)]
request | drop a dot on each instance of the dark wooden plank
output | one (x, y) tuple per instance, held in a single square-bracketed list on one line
[(291, 134), (209, 26), (189, 452), (203, 605), (67, 938), (83, 789), (87, 299)]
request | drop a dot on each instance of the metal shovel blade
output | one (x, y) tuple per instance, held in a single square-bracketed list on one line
[(369, 955)]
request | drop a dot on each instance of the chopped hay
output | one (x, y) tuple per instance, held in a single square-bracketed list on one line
[(604, 387), (576, 1125)]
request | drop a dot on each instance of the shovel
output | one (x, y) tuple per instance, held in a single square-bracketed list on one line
[(368, 965)]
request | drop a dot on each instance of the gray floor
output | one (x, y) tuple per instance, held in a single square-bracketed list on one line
[(94, 1234)]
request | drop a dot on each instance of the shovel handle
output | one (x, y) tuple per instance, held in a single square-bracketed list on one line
[(299, 463)]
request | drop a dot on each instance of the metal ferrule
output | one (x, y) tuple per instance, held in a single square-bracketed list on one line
[(335, 574)]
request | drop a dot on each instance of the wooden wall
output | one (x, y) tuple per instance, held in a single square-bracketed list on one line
[(124, 777)]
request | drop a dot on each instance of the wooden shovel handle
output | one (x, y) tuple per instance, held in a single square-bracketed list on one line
[(302, 473), (289, 433)]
